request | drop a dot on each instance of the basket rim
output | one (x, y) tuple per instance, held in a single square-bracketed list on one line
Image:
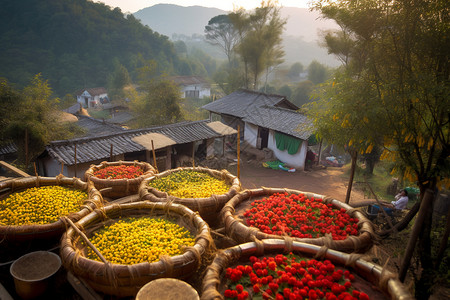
[(145, 189), (365, 227), (93, 201), (97, 215), (385, 279), (147, 168)]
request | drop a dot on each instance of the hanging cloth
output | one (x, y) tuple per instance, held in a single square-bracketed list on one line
[(286, 142)]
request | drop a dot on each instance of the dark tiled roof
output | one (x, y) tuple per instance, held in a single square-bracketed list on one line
[(8, 149), (74, 109), (121, 117), (93, 91), (96, 127), (283, 120), (242, 103), (97, 148), (188, 80)]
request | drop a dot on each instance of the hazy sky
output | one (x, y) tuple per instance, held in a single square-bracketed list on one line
[(135, 5)]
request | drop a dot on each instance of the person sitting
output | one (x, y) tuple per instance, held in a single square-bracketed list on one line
[(401, 200)]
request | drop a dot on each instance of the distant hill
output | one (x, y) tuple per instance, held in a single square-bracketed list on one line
[(74, 43), (302, 24), (170, 18)]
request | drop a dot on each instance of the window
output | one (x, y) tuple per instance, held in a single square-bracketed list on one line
[(192, 94)]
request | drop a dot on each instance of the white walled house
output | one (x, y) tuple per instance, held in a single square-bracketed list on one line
[(93, 97), (270, 121), (192, 86)]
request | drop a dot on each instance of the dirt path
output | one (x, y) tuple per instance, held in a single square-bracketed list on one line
[(330, 182)]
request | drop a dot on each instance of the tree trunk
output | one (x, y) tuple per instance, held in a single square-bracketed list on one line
[(425, 283), (444, 242), (425, 203), (320, 152), (354, 155)]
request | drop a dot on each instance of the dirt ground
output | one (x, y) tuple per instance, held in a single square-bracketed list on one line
[(328, 182)]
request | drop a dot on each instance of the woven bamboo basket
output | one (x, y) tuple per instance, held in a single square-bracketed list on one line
[(374, 278), (118, 188), (235, 228), (20, 233), (126, 280), (208, 208)]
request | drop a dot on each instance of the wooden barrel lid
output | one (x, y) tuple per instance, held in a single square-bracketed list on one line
[(167, 289)]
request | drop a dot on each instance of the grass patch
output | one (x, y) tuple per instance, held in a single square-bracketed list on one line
[(99, 114), (379, 181)]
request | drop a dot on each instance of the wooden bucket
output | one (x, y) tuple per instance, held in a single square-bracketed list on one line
[(21, 233), (118, 188), (126, 280), (372, 279), (208, 208), (236, 229)]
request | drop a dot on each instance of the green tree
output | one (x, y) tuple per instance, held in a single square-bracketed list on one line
[(260, 39), (220, 31), (117, 81), (396, 82), (295, 70), (159, 105), (302, 93), (285, 90), (34, 122), (317, 73), (157, 101)]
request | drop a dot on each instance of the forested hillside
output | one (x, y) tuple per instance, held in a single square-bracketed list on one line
[(75, 43)]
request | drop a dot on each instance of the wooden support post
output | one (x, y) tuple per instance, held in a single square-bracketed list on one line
[(154, 157), (239, 152), (26, 148), (193, 154), (13, 169), (111, 154), (75, 172)]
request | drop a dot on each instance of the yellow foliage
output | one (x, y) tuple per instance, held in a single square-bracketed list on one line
[(430, 143), (369, 148)]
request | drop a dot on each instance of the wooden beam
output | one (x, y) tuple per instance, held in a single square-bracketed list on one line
[(13, 169)]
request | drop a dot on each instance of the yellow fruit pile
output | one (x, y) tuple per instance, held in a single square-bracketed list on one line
[(135, 240), (190, 184), (40, 205)]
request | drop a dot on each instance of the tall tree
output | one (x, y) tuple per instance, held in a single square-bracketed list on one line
[(398, 68), (260, 44), (317, 73), (157, 101), (220, 31), (35, 120), (119, 79)]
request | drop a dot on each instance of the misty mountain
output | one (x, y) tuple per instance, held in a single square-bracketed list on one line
[(301, 31)]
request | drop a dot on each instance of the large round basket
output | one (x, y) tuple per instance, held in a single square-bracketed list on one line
[(118, 188), (18, 233), (373, 278), (126, 280), (208, 208), (232, 217)]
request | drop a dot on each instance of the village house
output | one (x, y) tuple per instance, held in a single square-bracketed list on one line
[(107, 142), (266, 121), (92, 97), (192, 86)]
